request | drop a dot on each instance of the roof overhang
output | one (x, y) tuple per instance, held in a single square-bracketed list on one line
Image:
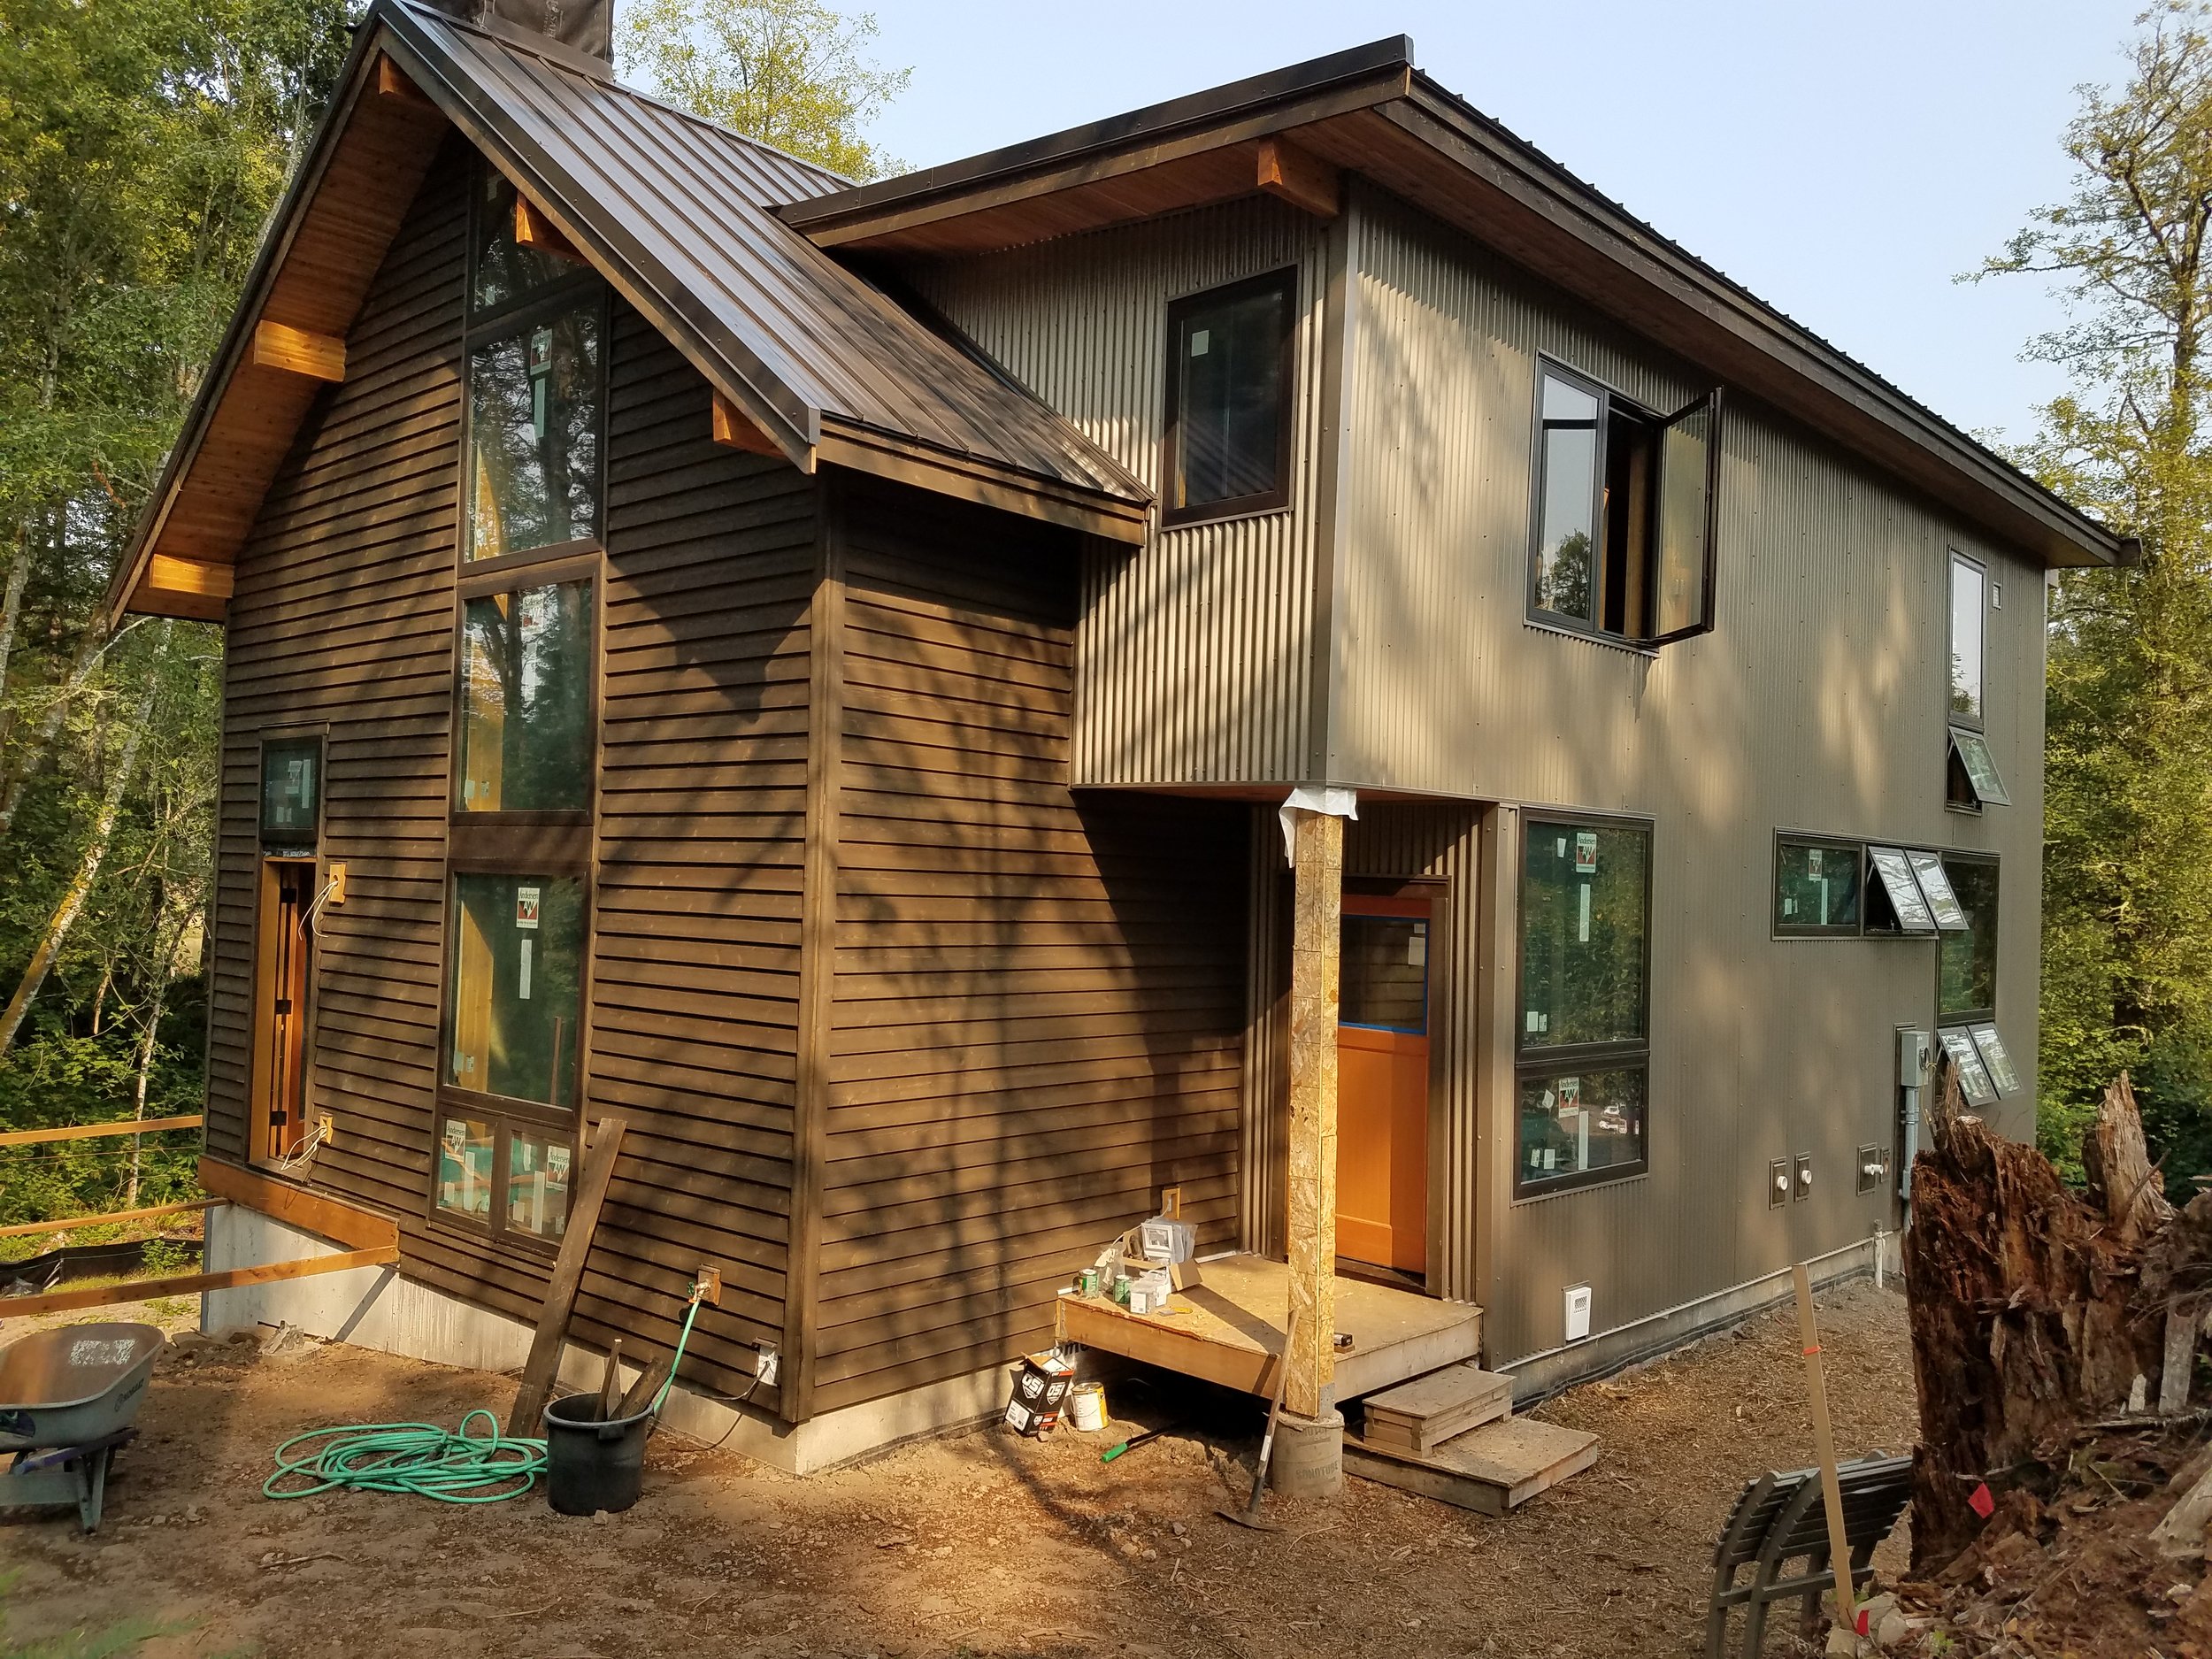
[(1369, 112), (398, 101)]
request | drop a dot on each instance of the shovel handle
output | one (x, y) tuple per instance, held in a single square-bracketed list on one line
[(1274, 1415)]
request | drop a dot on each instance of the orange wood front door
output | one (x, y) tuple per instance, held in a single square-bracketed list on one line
[(1382, 1112), (280, 1060)]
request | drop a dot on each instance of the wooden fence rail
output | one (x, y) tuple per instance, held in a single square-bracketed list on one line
[(191, 1284), (70, 1224), (87, 1132)]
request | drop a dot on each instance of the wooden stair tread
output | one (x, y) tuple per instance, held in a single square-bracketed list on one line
[(1419, 1416), (1493, 1469)]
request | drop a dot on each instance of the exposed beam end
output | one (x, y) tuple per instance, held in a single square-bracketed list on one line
[(734, 429), (200, 578), (393, 83), (533, 229), (1300, 178), (296, 351)]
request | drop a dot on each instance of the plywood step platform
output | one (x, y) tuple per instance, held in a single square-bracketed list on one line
[(1421, 1415), (1491, 1469)]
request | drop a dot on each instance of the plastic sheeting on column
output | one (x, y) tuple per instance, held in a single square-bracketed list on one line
[(1314, 798)]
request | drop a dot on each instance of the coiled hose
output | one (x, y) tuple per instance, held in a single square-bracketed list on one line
[(452, 1466)]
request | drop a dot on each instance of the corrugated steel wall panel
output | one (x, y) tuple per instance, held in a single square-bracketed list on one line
[(1818, 704), (1193, 652)]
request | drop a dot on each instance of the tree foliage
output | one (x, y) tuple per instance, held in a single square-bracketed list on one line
[(793, 73), (141, 147), (2128, 865)]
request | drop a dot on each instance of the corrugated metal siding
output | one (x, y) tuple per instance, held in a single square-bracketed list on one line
[(1039, 995), (1193, 652), (1817, 704)]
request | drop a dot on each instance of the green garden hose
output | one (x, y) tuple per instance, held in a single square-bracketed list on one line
[(453, 1466)]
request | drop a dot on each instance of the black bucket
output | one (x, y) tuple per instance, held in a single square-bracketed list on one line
[(590, 1464)]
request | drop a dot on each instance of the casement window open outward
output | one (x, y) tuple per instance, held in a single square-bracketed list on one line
[(1627, 508)]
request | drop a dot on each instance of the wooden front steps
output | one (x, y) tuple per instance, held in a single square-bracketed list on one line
[(1418, 1416), (1451, 1435), (1491, 1469)]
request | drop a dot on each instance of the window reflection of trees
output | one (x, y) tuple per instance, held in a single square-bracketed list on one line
[(1593, 990), (526, 731), (533, 414)]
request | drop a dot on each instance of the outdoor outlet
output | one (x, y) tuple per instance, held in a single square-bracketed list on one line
[(767, 1366), (1872, 1167), (1578, 1312), (1777, 1183), (1804, 1170), (326, 1128), (709, 1282), (337, 885)]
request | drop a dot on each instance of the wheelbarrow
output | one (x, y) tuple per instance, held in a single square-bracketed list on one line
[(68, 1397)]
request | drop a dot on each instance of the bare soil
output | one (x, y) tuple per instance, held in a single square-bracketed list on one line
[(978, 1544)]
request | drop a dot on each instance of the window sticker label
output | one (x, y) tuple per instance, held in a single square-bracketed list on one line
[(522, 975), (1583, 919), (1812, 861), (526, 907), (1418, 946), (1973, 1076), (1201, 340), (1586, 852)]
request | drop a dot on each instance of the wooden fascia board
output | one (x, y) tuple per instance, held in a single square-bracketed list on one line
[(285, 223), (728, 366), (1691, 311), (865, 450), (825, 226), (329, 1218)]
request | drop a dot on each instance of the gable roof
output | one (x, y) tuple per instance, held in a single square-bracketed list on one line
[(674, 212), (1369, 110)]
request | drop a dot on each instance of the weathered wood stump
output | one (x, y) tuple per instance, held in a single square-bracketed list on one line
[(2029, 1316)]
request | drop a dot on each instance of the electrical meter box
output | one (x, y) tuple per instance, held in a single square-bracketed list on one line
[(1912, 1058)]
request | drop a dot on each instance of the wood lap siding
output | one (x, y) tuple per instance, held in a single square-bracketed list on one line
[(1038, 996), (344, 615), (702, 820)]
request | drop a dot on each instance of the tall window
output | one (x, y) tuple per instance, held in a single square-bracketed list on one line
[(525, 722), (1584, 1042), (1966, 982), (1229, 374), (291, 791), (1625, 510), (1967, 586)]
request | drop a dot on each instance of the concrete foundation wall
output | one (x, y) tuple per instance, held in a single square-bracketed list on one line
[(376, 1308)]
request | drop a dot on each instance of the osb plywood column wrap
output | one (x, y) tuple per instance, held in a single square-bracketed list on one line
[(1315, 942)]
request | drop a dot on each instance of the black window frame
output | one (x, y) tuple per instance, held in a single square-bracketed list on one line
[(553, 845), (1580, 1057), (1978, 1015), (279, 843), (1608, 399), (1283, 282), (1979, 721), (1961, 793), (1855, 850)]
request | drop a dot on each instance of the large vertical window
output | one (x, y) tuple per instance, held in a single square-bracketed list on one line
[(1967, 618), (512, 1075), (1229, 374), (1584, 1040), (291, 791), (1966, 982), (1625, 508)]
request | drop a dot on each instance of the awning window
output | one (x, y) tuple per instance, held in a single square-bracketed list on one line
[(1943, 903), (1974, 1082), (1894, 880), (2002, 1078), (1971, 749)]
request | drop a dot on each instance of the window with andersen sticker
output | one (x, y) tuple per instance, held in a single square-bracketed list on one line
[(1583, 1035)]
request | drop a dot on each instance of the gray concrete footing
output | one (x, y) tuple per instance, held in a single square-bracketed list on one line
[(1308, 1460)]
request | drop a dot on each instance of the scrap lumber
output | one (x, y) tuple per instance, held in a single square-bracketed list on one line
[(568, 1273), (2035, 1311)]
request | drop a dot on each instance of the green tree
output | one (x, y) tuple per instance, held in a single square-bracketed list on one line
[(2128, 864), (141, 147), (794, 74)]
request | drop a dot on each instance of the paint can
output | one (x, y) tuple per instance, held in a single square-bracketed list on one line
[(1121, 1289), (1087, 1282), (1088, 1407)]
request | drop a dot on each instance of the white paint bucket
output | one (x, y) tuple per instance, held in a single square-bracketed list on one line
[(1089, 1405)]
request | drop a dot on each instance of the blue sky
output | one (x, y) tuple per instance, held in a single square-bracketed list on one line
[(1845, 162)]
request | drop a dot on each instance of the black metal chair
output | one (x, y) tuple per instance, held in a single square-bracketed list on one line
[(1780, 1518)]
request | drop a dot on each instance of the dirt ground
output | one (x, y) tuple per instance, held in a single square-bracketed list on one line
[(982, 1544)]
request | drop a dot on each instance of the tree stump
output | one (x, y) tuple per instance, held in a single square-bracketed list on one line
[(2023, 1308)]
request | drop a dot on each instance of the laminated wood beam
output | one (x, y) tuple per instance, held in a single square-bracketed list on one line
[(165, 573), (1300, 178), (734, 429), (297, 351), (533, 229), (1317, 928), (392, 81)]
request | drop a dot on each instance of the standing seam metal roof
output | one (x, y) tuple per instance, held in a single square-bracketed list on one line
[(683, 204)]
